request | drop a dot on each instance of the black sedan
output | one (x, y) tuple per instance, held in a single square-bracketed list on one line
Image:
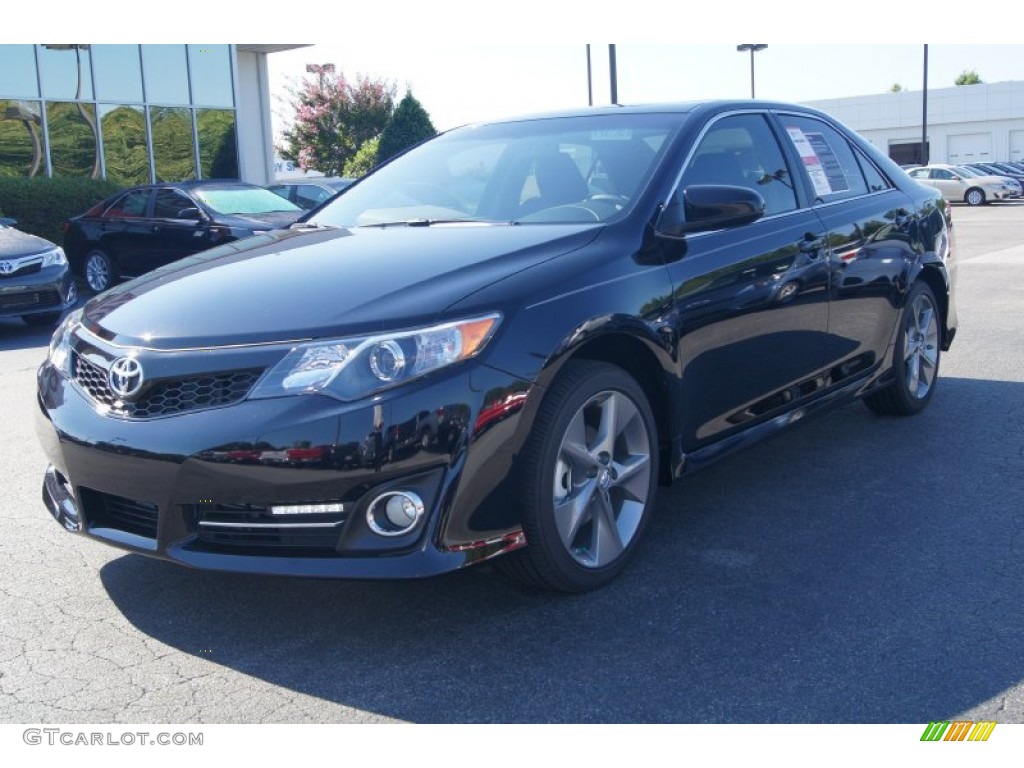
[(142, 228), (35, 283), (500, 344)]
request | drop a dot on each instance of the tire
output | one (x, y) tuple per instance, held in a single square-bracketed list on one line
[(915, 359), (587, 496), (974, 196), (98, 270)]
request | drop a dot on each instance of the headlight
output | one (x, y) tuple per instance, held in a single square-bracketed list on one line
[(54, 258), (60, 343), (349, 369)]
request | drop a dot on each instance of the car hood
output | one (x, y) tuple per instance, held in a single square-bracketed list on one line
[(14, 243), (300, 284)]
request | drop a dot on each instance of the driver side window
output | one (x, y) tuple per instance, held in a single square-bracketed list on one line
[(741, 150)]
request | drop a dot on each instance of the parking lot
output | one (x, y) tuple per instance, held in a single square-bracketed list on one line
[(859, 569)]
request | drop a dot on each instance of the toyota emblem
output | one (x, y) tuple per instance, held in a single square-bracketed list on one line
[(125, 377), (6, 267)]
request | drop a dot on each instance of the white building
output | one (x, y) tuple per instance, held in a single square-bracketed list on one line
[(968, 123)]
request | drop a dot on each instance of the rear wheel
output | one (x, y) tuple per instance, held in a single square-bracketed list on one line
[(590, 475), (915, 359), (974, 197), (99, 271)]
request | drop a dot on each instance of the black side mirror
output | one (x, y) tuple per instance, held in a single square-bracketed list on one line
[(192, 214), (707, 207)]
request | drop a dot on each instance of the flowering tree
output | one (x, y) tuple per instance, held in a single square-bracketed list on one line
[(333, 118)]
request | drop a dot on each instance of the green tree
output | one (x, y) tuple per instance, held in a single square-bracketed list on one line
[(333, 118), (410, 124), (363, 161), (967, 77), (895, 88)]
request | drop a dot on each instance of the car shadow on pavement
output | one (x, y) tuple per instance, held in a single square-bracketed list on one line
[(15, 334), (859, 569)]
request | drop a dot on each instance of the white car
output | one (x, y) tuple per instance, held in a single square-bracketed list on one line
[(959, 184)]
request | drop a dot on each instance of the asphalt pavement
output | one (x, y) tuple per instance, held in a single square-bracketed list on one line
[(856, 569)]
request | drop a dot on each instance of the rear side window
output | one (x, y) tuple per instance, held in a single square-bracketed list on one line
[(828, 158), (741, 150), (132, 204)]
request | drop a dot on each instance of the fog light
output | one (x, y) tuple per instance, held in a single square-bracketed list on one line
[(394, 513)]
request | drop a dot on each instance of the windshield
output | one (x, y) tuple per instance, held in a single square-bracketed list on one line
[(555, 170), (242, 200), (964, 171)]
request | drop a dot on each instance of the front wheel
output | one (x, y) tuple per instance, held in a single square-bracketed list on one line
[(915, 359), (974, 197), (589, 479)]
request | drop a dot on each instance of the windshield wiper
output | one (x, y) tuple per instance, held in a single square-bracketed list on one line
[(310, 225), (431, 222)]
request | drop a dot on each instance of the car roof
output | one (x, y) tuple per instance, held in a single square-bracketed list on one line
[(681, 108)]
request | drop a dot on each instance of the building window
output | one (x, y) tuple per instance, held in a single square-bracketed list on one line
[(124, 143), (21, 139), (73, 144), (211, 75), (218, 154), (173, 143), (18, 72), (118, 72), (165, 74), (94, 102), (65, 71)]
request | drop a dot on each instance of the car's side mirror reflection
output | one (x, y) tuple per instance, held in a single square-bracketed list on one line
[(705, 207)]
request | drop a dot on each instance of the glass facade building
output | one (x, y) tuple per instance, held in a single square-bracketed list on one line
[(133, 114)]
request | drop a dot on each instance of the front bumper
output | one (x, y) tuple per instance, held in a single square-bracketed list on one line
[(48, 291), (197, 488)]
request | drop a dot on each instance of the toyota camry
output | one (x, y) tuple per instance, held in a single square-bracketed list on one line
[(498, 345)]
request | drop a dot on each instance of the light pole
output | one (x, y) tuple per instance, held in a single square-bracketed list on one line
[(753, 48)]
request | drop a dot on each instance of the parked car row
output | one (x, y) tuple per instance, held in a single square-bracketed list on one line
[(967, 184)]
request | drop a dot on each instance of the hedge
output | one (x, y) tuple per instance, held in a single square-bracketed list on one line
[(41, 205)]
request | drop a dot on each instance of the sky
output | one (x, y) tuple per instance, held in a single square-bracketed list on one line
[(463, 83), (475, 60)]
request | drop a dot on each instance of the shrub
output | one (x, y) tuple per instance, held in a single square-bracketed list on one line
[(363, 161), (41, 205)]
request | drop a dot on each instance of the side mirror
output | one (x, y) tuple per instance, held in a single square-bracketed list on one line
[(192, 214), (706, 207)]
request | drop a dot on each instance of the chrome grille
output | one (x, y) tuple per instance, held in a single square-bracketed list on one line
[(29, 268), (164, 397)]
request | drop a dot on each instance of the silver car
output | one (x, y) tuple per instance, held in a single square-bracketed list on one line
[(959, 184)]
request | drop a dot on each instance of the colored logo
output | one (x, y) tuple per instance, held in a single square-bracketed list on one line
[(6, 267), (958, 730)]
